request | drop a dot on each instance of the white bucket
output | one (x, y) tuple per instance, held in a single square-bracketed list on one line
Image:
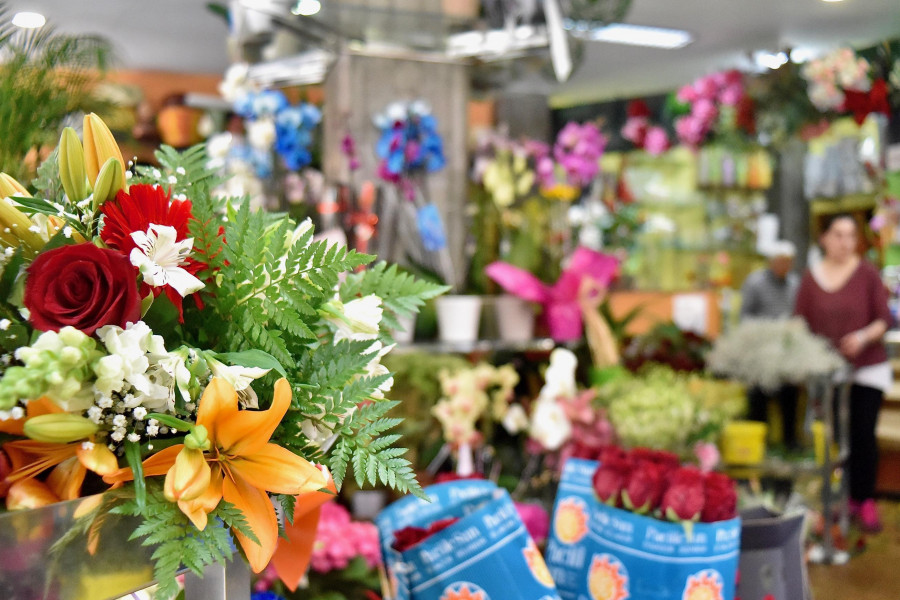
[(458, 318)]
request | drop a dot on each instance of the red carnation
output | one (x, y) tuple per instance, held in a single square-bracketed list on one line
[(721, 498), (81, 286), (685, 497)]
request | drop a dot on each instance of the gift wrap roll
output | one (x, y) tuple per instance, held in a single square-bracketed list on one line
[(486, 555), (597, 552)]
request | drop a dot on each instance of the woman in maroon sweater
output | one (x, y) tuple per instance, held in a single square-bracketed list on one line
[(843, 299)]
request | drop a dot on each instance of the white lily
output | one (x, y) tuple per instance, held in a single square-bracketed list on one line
[(159, 258)]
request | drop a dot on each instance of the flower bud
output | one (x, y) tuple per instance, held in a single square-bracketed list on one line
[(197, 439), (110, 180), (59, 428), (10, 187), (99, 146), (188, 478), (29, 493), (71, 166)]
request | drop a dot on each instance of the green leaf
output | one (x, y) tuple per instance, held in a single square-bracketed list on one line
[(10, 274), (133, 455), (252, 358), (170, 421)]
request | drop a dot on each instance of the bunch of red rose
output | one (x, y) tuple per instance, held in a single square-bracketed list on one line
[(653, 482), (406, 538)]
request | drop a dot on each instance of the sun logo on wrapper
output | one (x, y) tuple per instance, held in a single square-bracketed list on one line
[(537, 565), (570, 522), (463, 590), (607, 578), (705, 585)]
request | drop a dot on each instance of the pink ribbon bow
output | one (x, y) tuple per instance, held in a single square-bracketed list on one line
[(562, 311)]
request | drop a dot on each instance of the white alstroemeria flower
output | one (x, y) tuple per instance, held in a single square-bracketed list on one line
[(127, 361), (359, 320), (549, 424), (376, 369), (515, 419), (174, 364), (239, 377), (560, 375), (159, 258)]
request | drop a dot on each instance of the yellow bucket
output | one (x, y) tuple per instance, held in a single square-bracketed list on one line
[(744, 442), (818, 431)]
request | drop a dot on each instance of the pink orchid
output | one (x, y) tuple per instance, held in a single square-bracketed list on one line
[(706, 87), (560, 301), (687, 94), (690, 130)]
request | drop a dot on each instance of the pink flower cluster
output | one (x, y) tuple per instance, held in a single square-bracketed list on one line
[(340, 539), (639, 131), (704, 97), (577, 151), (838, 71)]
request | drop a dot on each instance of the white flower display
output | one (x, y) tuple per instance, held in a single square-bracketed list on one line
[(784, 351), (515, 420), (261, 133), (549, 424), (560, 375), (159, 258), (236, 83)]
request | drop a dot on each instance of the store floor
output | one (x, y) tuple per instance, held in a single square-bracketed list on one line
[(872, 575)]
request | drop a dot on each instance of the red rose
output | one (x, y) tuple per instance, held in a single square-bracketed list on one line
[(667, 460), (644, 487), (406, 538), (81, 286), (611, 454), (685, 497), (721, 498), (608, 481)]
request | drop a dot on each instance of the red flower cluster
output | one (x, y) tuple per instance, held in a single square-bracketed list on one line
[(652, 482), (406, 538)]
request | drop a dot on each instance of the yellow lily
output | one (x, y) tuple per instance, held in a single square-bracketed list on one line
[(15, 226), (243, 466), (10, 187)]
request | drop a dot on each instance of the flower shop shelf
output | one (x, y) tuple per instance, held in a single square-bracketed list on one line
[(480, 346), (46, 554)]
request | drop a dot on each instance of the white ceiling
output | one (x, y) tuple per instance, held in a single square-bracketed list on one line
[(182, 35)]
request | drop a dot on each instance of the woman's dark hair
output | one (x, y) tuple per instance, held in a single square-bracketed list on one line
[(830, 220)]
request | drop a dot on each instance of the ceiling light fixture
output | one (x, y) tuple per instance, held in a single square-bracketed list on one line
[(306, 8), (770, 60), (633, 35), (829, 1), (28, 20)]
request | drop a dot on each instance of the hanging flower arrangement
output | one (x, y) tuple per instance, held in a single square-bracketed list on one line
[(714, 102), (841, 82), (409, 143), (642, 132)]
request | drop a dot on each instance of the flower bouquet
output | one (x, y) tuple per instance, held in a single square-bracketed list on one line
[(636, 524), (200, 359), (784, 352), (843, 82)]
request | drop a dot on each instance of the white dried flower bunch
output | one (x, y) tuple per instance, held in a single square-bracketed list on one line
[(769, 353)]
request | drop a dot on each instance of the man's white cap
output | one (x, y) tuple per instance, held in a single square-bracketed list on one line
[(781, 248)]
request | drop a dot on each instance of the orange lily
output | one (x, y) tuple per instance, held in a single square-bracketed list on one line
[(294, 550), (72, 461), (243, 466)]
